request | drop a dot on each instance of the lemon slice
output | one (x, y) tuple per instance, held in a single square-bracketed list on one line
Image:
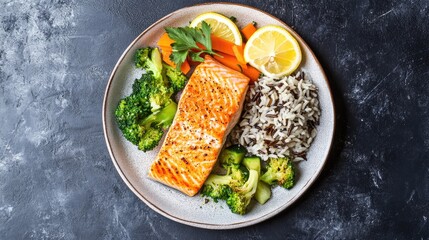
[(273, 51), (221, 26)]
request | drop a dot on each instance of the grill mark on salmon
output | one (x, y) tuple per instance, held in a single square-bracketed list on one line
[(209, 108)]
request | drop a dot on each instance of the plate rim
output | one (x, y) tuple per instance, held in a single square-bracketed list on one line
[(208, 225)]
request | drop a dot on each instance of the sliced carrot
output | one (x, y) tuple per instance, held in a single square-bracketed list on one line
[(248, 30), (165, 41), (252, 73), (238, 52), (232, 62), (200, 46), (166, 52), (167, 60), (166, 48), (185, 68), (222, 45), (229, 61)]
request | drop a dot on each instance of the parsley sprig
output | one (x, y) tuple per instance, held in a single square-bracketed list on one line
[(186, 39)]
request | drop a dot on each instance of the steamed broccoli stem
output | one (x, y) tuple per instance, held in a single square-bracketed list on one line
[(176, 78), (263, 192), (280, 171), (249, 188), (153, 126), (163, 118), (161, 93), (150, 60), (239, 200), (253, 162)]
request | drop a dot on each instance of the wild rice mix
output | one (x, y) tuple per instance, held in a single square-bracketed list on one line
[(279, 117)]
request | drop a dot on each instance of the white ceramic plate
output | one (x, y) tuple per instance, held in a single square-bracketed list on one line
[(133, 165)]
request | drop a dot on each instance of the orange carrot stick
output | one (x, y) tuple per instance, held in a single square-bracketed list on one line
[(229, 61), (248, 30), (252, 73), (232, 62), (165, 41), (238, 52), (222, 45), (166, 57), (185, 68), (166, 52), (166, 49)]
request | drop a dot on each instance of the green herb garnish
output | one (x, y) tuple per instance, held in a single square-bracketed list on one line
[(186, 39)]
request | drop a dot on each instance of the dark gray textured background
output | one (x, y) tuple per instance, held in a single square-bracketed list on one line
[(57, 180)]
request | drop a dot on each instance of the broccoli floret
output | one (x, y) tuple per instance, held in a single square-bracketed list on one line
[(237, 187), (237, 203), (239, 176), (280, 171), (217, 187), (154, 87), (149, 110), (241, 196), (150, 138), (160, 96), (136, 121), (129, 113), (150, 60), (221, 186), (133, 109), (133, 133), (176, 78), (232, 155), (136, 106), (154, 92)]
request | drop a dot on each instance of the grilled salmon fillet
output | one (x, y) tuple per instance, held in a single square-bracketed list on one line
[(208, 109)]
